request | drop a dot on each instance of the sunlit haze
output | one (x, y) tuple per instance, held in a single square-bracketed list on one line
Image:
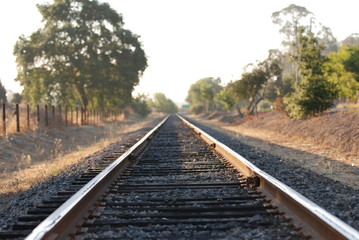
[(186, 40)]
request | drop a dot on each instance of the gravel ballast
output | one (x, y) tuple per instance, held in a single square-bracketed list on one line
[(335, 197), (339, 199), (9, 211)]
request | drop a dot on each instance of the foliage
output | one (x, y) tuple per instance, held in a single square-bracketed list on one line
[(337, 73), (162, 104), (201, 94), (251, 88), (314, 93), (226, 97), (308, 55), (16, 98), (82, 55), (197, 109), (290, 18), (352, 63), (2, 93), (140, 105)]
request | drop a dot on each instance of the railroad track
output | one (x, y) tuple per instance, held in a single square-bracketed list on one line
[(179, 183)]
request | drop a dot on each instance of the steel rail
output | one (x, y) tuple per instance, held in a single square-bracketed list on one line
[(305, 214), (60, 223)]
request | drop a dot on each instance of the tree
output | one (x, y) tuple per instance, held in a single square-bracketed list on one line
[(352, 63), (290, 18), (252, 86), (201, 94), (308, 55), (140, 105), (226, 97), (82, 54), (162, 104), (314, 93), (2, 93), (16, 98), (337, 73), (351, 40)]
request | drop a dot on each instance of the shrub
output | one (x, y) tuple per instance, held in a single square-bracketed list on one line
[(313, 95)]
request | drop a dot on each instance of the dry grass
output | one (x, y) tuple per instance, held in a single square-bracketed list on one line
[(28, 159), (31, 174)]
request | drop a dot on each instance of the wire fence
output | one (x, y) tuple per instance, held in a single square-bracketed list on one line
[(18, 118)]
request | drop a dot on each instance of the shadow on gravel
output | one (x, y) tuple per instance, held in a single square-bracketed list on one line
[(340, 199)]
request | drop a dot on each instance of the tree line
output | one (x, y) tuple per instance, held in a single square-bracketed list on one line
[(83, 56), (305, 78)]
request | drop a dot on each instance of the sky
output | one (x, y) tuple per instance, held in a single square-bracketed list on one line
[(186, 40)]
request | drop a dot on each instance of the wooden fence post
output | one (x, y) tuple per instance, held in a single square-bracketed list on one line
[(77, 115), (46, 116), (60, 113), (17, 112), (53, 115), (66, 116), (72, 118), (4, 119), (28, 115), (88, 116), (82, 116), (38, 114)]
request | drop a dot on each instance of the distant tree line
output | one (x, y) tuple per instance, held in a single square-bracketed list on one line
[(304, 79), (144, 105)]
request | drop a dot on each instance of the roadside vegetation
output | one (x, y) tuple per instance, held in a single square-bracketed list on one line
[(309, 75)]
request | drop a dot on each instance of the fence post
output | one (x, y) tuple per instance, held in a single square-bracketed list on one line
[(38, 115), (82, 116), (53, 115), (46, 116), (28, 115), (88, 116), (4, 118), (66, 116), (71, 118), (60, 112), (17, 112), (77, 115)]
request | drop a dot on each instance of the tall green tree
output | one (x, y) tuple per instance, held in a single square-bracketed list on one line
[(314, 93), (2, 93), (352, 63), (337, 73), (201, 95), (82, 54)]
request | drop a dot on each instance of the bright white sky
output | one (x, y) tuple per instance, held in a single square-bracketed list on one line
[(186, 40)]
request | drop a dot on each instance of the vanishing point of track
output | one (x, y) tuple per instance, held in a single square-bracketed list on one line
[(179, 183)]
